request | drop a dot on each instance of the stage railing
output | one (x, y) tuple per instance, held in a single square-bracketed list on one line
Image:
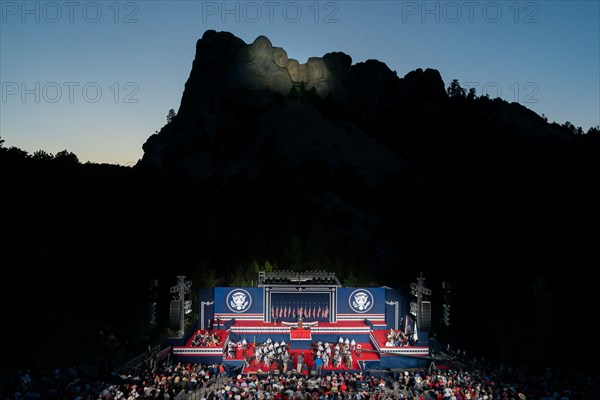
[(141, 361)]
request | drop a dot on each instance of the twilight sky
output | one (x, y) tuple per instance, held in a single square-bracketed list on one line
[(98, 77)]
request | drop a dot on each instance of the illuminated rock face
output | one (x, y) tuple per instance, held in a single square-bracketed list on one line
[(224, 62), (238, 112), (262, 66)]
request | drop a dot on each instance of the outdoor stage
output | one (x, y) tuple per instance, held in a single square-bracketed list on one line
[(300, 310), (372, 342)]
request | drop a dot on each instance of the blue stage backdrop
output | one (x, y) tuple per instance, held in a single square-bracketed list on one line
[(361, 303), (206, 310), (288, 306), (239, 303), (396, 308)]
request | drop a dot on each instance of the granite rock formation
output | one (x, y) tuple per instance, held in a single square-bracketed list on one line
[(240, 96)]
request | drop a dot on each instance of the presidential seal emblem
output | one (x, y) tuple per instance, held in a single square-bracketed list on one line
[(239, 300), (361, 301)]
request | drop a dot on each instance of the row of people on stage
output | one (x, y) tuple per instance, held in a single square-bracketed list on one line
[(397, 339), (264, 355), (206, 339), (269, 352), (336, 355), (233, 347), (347, 343)]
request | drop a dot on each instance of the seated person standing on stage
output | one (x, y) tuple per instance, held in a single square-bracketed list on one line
[(215, 339), (389, 342), (358, 349), (348, 360), (397, 338), (195, 340), (231, 350), (299, 362), (304, 370), (338, 360), (390, 336), (352, 345)]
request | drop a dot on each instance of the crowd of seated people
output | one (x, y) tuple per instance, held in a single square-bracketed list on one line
[(206, 339), (167, 381)]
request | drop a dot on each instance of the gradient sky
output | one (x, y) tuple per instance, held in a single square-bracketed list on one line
[(97, 78)]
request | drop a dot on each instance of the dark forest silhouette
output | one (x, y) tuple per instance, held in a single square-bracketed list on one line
[(490, 196)]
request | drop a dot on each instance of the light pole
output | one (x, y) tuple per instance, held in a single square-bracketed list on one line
[(418, 290), (394, 303), (181, 288), (202, 304)]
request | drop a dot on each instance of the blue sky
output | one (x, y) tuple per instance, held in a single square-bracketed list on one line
[(98, 77)]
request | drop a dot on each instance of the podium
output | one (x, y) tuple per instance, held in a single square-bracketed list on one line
[(300, 333)]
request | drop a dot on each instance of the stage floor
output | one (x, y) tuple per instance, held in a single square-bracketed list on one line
[(372, 342), (378, 335), (367, 354), (340, 324), (222, 334)]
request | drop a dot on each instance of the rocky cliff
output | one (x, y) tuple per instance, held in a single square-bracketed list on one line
[(244, 99)]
